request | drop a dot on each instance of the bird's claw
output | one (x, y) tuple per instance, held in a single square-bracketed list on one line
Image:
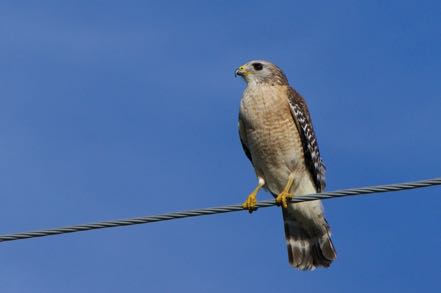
[(250, 203), (283, 198)]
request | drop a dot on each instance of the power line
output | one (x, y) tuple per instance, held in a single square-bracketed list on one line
[(219, 210)]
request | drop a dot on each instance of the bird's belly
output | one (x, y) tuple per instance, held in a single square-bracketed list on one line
[(276, 155), (274, 142)]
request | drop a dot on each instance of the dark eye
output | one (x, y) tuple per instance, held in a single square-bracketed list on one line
[(257, 66)]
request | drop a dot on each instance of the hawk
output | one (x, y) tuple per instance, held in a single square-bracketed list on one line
[(277, 136)]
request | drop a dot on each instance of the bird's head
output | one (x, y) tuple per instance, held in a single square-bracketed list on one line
[(260, 72)]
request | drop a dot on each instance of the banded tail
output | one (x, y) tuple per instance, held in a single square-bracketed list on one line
[(308, 236)]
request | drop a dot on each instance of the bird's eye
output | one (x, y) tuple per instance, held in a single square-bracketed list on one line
[(257, 66)]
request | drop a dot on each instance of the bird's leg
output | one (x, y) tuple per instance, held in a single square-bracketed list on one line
[(250, 202), (283, 197)]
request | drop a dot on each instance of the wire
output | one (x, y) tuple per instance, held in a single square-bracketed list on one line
[(219, 210)]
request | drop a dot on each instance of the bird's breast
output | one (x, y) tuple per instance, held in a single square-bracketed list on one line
[(272, 135)]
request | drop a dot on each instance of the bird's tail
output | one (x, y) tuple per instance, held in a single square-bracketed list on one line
[(308, 236)]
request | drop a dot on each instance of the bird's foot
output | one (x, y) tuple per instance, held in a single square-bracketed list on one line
[(283, 198), (250, 202)]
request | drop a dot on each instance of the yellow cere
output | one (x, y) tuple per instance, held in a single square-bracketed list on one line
[(244, 71)]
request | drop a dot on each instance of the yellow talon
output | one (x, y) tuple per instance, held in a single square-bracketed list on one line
[(250, 203), (283, 198)]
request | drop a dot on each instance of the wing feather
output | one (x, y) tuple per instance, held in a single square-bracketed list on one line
[(243, 139), (311, 150)]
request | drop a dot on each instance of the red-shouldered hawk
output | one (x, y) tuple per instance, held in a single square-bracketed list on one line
[(277, 136)]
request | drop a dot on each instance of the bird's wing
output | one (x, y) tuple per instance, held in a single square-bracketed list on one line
[(243, 139), (303, 121)]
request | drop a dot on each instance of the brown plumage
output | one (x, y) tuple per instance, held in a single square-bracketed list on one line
[(278, 137)]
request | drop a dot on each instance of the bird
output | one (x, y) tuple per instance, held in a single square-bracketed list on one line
[(278, 137)]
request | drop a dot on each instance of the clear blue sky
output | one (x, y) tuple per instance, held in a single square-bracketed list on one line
[(114, 109)]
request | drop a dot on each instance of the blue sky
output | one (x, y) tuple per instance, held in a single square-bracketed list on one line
[(112, 110)]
